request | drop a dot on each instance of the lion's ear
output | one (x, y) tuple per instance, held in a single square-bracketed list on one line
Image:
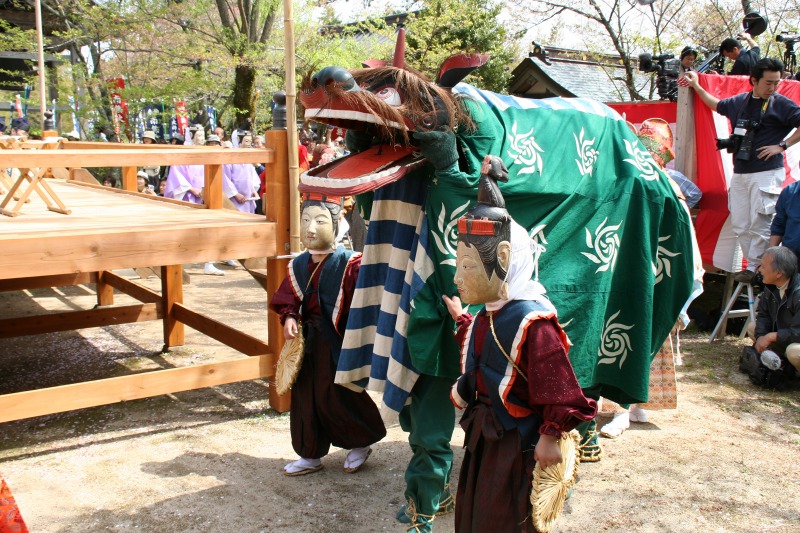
[(456, 68)]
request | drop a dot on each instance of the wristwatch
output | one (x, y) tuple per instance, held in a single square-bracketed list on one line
[(782, 144)]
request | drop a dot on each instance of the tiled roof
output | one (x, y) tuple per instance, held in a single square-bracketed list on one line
[(584, 79)]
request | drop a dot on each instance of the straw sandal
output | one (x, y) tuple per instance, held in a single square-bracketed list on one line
[(356, 465), (305, 468)]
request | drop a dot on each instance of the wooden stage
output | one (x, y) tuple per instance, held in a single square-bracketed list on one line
[(108, 229)]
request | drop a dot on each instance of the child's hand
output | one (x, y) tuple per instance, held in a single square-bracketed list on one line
[(453, 306), (547, 452), (290, 328)]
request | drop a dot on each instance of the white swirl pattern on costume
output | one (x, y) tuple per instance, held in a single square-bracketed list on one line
[(615, 343), (587, 154), (605, 245), (446, 239), (662, 266), (642, 160), (525, 151)]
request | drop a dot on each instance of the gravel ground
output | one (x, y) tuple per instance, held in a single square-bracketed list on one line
[(210, 459)]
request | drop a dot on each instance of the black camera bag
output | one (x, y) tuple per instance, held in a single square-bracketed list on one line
[(750, 364)]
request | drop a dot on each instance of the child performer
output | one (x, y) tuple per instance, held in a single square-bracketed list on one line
[(319, 288), (518, 387)]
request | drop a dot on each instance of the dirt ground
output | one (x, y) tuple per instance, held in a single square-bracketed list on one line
[(209, 460)]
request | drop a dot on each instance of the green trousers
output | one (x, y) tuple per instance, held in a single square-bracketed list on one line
[(429, 420)]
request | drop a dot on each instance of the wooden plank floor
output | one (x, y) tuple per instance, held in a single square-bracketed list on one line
[(109, 230)]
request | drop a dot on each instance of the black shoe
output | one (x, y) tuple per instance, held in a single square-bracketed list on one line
[(745, 276)]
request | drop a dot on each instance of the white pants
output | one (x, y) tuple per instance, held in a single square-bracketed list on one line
[(751, 201), (793, 355)]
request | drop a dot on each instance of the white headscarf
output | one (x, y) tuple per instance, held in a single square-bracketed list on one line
[(523, 266)]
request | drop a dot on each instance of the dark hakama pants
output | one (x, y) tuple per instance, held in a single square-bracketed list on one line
[(495, 482), (323, 413)]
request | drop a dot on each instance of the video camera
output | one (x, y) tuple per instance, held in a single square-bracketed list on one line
[(741, 140), (666, 68), (784, 37)]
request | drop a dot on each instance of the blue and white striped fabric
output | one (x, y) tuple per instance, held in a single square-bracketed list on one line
[(374, 352)]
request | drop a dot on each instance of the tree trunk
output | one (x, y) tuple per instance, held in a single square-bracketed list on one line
[(244, 93)]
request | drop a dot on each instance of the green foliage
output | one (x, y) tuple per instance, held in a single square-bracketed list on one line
[(446, 27), (13, 38)]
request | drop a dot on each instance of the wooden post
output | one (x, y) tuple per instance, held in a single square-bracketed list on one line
[(291, 125), (685, 145), (276, 271), (212, 193), (105, 292), (129, 178), (171, 293), (276, 204), (277, 209)]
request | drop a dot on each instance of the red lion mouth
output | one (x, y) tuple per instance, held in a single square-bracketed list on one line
[(362, 172)]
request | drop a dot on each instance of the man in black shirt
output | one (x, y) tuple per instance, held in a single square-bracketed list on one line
[(743, 60), (761, 119)]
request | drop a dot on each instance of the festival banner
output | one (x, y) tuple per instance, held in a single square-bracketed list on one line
[(152, 118), (181, 117), (119, 106), (211, 111), (28, 89)]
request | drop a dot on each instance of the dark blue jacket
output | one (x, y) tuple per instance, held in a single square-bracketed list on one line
[(787, 217)]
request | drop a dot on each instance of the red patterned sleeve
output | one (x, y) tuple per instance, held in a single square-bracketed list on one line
[(462, 325), (553, 390), (284, 302)]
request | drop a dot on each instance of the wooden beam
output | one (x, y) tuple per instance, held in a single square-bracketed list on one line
[(685, 145), (55, 253), (40, 402), (134, 290), (96, 185), (129, 179), (171, 294), (44, 282), (276, 272), (81, 175), (105, 292), (70, 320), (276, 203), (227, 335), (212, 192), (97, 145), (118, 157)]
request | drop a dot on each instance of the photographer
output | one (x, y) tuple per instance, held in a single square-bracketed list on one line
[(761, 119), (743, 60), (688, 57)]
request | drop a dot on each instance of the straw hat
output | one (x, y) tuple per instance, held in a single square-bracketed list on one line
[(551, 485), (289, 362)]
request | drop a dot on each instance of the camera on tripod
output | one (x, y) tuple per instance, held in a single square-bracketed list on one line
[(666, 69), (741, 140), (787, 38)]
